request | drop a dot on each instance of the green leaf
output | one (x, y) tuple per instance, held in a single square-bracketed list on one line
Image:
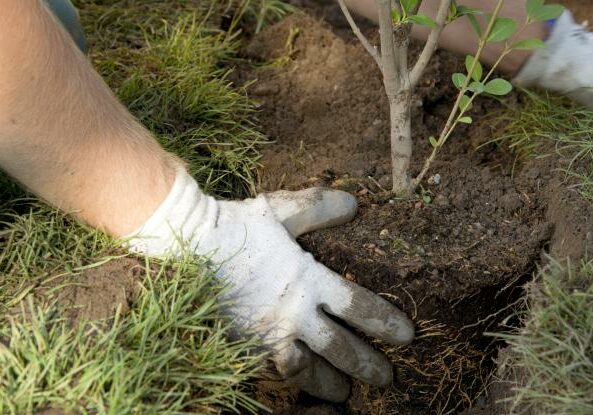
[(452, 12), (422, 20), (547, 12), (427, 199), (408, 5), (465, 104), (532, 6), (477, 87), (466, 120), (529, 44), (475, 24), (468, 11), (395, 16), (503, 29), (459, 80), (433, 141), (478, 71), (498, 87)]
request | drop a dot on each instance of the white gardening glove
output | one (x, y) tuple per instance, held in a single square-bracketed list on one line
[(566, 65), (280, 292)]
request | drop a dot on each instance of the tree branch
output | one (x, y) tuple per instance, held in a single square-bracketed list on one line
[(431, 43), (361, 37)]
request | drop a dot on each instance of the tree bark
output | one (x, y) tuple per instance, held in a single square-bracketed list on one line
[(394, 53), (401, 141)]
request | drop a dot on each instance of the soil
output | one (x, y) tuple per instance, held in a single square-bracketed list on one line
[(94, 294), (100, 292), (455, 257)]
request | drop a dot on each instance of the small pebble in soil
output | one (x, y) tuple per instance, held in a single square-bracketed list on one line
[(435, 179), (350, 277), (379, 251)]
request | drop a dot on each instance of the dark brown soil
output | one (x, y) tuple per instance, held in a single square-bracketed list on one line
[(454, 257)]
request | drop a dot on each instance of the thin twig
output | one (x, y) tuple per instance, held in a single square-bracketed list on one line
[(431, 43), (361, 37)]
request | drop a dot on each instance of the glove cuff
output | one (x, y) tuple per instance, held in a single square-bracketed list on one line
[(178, 222)]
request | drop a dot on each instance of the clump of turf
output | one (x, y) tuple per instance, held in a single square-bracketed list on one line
[(541, 122), (168, 354), (552, 354)]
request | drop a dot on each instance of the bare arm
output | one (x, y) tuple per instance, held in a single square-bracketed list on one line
[(63, 133)]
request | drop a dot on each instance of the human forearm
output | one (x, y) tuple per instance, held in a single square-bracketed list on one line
[(64, 135)]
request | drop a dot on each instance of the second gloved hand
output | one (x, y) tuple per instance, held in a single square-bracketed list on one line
[(565, 64), (279, 292)]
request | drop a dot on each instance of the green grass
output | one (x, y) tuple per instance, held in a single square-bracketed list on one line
[(166, 62), (260, 13), (541, 122), (168, 355), (553, 351)]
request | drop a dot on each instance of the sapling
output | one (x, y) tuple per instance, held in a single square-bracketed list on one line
[(396, 18)]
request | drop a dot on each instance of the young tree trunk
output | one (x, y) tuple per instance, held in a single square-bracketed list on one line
[(394, 55), (401, 141)]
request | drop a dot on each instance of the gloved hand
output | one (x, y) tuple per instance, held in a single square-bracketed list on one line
[(280, 292), (565, 65)]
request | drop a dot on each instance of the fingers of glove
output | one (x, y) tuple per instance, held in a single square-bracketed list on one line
[(346, 351), (301, 367), (364, 310), (310, 209)]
